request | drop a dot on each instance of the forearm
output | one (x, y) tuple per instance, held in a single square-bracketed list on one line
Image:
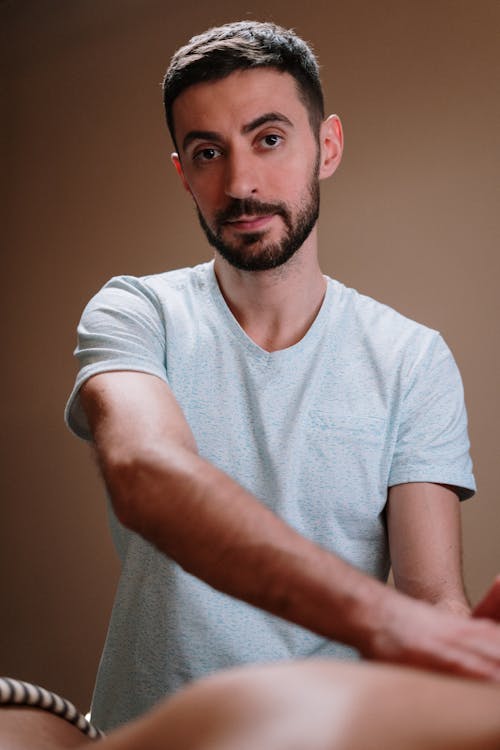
[(217, 531), (448, 596), (207, 523), (220, 533), (456, 604), (223, 535)]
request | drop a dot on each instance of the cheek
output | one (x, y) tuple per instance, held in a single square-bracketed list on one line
[(293, 177), (207, 185), (205, 198), (295, 190)]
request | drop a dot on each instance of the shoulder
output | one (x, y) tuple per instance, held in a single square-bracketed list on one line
[(373, 325), (148, 295), (368, 313), (180, 280)]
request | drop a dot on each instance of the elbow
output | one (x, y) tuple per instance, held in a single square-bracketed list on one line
[(123, 478), (140, 486)]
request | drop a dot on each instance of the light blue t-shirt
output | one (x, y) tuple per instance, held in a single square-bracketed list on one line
[(318, 432)]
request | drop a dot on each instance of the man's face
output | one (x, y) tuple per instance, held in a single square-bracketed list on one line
[(250, 160)]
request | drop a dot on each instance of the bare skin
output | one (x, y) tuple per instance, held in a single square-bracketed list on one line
[(322, 706), (489, 606), (34, 729), (148, 454), (313, 705), (274, 307)]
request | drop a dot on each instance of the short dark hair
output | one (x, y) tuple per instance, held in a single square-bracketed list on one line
[(239, 46)]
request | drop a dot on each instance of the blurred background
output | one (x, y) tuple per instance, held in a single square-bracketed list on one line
[(88, 192)]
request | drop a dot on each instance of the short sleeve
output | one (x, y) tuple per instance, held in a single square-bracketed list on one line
[(120, 329), (432, 441)]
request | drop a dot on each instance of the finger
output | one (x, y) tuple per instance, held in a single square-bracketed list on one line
[(489, 606), (466, 660), (468, 648)]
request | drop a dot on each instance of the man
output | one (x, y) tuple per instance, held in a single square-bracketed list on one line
[(266, 434)]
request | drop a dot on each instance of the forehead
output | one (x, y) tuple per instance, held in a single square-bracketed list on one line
[(239, 98)]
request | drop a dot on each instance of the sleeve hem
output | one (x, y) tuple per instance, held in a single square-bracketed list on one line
[(465, 485)]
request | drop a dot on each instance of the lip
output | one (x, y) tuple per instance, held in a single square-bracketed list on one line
[(250, 223)]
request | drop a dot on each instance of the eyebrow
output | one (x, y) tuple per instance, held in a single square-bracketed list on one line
[(212, 135), (263, 119)]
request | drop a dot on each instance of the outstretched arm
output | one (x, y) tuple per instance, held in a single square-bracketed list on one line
[(217, 531), (197, 515)]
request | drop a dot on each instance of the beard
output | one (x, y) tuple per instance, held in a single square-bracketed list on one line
[(251, 252)]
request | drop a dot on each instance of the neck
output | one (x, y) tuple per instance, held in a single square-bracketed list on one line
[(275, 308)]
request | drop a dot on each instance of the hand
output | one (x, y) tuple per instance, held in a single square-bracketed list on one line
[(411, 632), (489, 606)]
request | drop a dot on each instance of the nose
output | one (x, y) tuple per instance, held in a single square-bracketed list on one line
[(241, 176)]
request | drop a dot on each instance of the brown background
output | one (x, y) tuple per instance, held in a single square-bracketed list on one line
[(410, 219)]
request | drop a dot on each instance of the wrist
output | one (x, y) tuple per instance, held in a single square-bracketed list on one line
[(455, 606), (366, 606)]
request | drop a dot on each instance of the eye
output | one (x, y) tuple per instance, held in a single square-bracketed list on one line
[(271, 140), (207, 154)]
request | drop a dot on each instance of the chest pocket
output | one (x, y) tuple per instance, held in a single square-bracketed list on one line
[(352, 453), (351, 430)]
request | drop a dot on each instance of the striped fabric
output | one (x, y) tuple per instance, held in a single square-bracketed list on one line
[(19, 693)]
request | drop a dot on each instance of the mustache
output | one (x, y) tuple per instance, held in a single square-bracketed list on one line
[(249, 207)]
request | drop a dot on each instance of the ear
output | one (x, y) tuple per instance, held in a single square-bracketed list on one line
[(178, 168), (331, 141)]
